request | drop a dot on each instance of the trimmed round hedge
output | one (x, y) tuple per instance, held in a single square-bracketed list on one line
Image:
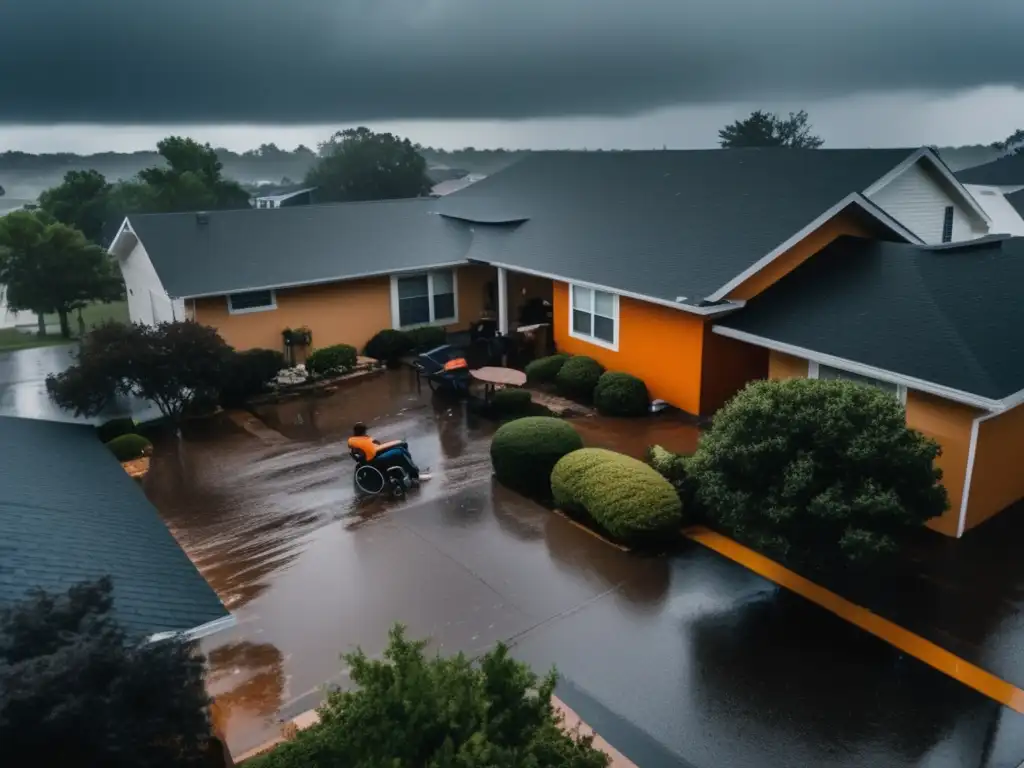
[(511, 401), (624, 496), (523, 453), (579, 376), (543, 370), (128, 447), (621, 394), (427, 337), (338, 358), (108, 430), (246, 374), (388, 346)]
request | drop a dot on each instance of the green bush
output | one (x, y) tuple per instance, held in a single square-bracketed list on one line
[(115, 428), (578, 377), (673, 467), (426, 337), (511, 401), (337, 358), (388, 346), (524, 452), (544, 370), (624, 496), (817, 470), (128, 447), (408, 709), (621, 394), (246, 374)]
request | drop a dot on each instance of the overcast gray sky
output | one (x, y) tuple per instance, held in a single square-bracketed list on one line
[(532, 73)]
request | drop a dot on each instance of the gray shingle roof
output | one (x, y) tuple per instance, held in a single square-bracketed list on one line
[(947, 315), (1016, 199), (1005, 172), (662, 223), (69, 512), (236, 250)]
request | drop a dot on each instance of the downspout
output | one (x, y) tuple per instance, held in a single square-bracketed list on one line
[(971, 453)]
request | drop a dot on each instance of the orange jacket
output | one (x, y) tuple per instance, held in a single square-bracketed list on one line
[(365, 444)]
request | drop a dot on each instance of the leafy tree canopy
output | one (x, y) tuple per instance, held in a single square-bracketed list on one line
[(48, 266), (766, 129), (76, 690), (171, 364), (1012, 144), (358, 164), (82, 201)]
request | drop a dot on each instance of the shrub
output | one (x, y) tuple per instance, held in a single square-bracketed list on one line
[(511, 402), (427, 337), (621, 394), (76, 689), (388, 346), (817, 470), (115, 428), (128, 447), (246, 374), (544, 370), (412, 710), (578, 377), (624, 496), (338, 358), (524, 452), (673, 467)]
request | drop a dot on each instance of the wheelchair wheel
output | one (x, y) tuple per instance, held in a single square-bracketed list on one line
[(397, 488), (369, 479)]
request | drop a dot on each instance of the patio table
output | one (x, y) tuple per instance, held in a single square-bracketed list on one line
[(492, 376)]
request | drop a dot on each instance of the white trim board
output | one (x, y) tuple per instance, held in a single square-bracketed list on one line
[(197, 633), (613, 345), (814, 372), (395, 318)]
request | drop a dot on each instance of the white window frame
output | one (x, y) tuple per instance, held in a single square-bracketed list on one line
[(396, 321), (246, 310), (614, 345), (814, 370)]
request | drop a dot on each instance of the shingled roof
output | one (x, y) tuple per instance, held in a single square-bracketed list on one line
[(229, 251), (946, 315), (1005, 172), (69, 513), (662, 224)]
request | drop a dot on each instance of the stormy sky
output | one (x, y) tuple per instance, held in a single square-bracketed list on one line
[(620, 71)]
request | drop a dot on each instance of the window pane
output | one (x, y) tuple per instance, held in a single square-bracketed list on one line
[(251, 300), (444, 306), (443, 282), (413, 311), (604, 304), (825, 372), (410, 287), (604, 329), (581, 298), (581, 322)]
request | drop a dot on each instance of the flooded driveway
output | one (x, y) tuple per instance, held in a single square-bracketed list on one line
[(685, 661)]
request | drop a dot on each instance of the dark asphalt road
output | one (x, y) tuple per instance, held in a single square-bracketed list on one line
[(688, 661)]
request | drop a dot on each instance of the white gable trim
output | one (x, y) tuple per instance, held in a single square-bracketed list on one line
[(196, 633), (854, 198)]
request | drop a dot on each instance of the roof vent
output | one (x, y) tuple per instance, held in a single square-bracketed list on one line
[(202, 217)]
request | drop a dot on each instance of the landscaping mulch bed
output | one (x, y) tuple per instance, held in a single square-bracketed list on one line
[(365, 367), (136, 468)]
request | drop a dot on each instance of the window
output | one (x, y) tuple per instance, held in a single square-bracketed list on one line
[(818, 371), (424, 299), (947, 225), (594, 316), (251, 301)]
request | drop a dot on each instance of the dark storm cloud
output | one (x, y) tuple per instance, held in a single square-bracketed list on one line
[(304, 61)]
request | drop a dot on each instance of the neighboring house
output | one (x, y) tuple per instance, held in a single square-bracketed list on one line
[(940, 327), (70, 513), (454, 185), (285, 198), (992, 184)]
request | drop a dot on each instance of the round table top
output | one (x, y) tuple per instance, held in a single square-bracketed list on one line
[(492, 375)]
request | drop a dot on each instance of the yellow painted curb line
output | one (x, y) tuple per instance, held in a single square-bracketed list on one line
[(939, 658)]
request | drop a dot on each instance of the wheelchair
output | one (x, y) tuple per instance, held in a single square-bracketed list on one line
[(373, 478)]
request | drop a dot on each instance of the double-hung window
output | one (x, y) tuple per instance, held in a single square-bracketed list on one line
[(251, 301), (424, 299), (818, 371), (594, 316)]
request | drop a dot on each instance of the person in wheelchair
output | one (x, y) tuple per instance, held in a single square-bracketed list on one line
[(389, 454)]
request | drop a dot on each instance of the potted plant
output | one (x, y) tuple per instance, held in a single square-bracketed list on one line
[(297, 337)]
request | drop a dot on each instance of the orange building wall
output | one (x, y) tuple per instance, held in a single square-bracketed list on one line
[(472, 297), (997, 480), (782, 366), (729, 366), (662, 346), (843, 224)]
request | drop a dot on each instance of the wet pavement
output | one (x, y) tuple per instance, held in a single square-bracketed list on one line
[(691, 660), (23, 375)]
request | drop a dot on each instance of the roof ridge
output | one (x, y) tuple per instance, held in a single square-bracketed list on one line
[(335, 204)]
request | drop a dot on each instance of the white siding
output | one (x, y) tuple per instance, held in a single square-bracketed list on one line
[(918, 201), (1005, 219), (148, 302)]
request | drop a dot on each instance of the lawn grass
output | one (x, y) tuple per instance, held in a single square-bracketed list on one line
[(93, 315), (12, 338)]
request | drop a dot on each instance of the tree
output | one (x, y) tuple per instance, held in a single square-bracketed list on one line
[(171, 364), (50, 267), (410, 710), (82, 201), (75, 689), (766, 129), (817, 471), (1013, 143), (358, 164)]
